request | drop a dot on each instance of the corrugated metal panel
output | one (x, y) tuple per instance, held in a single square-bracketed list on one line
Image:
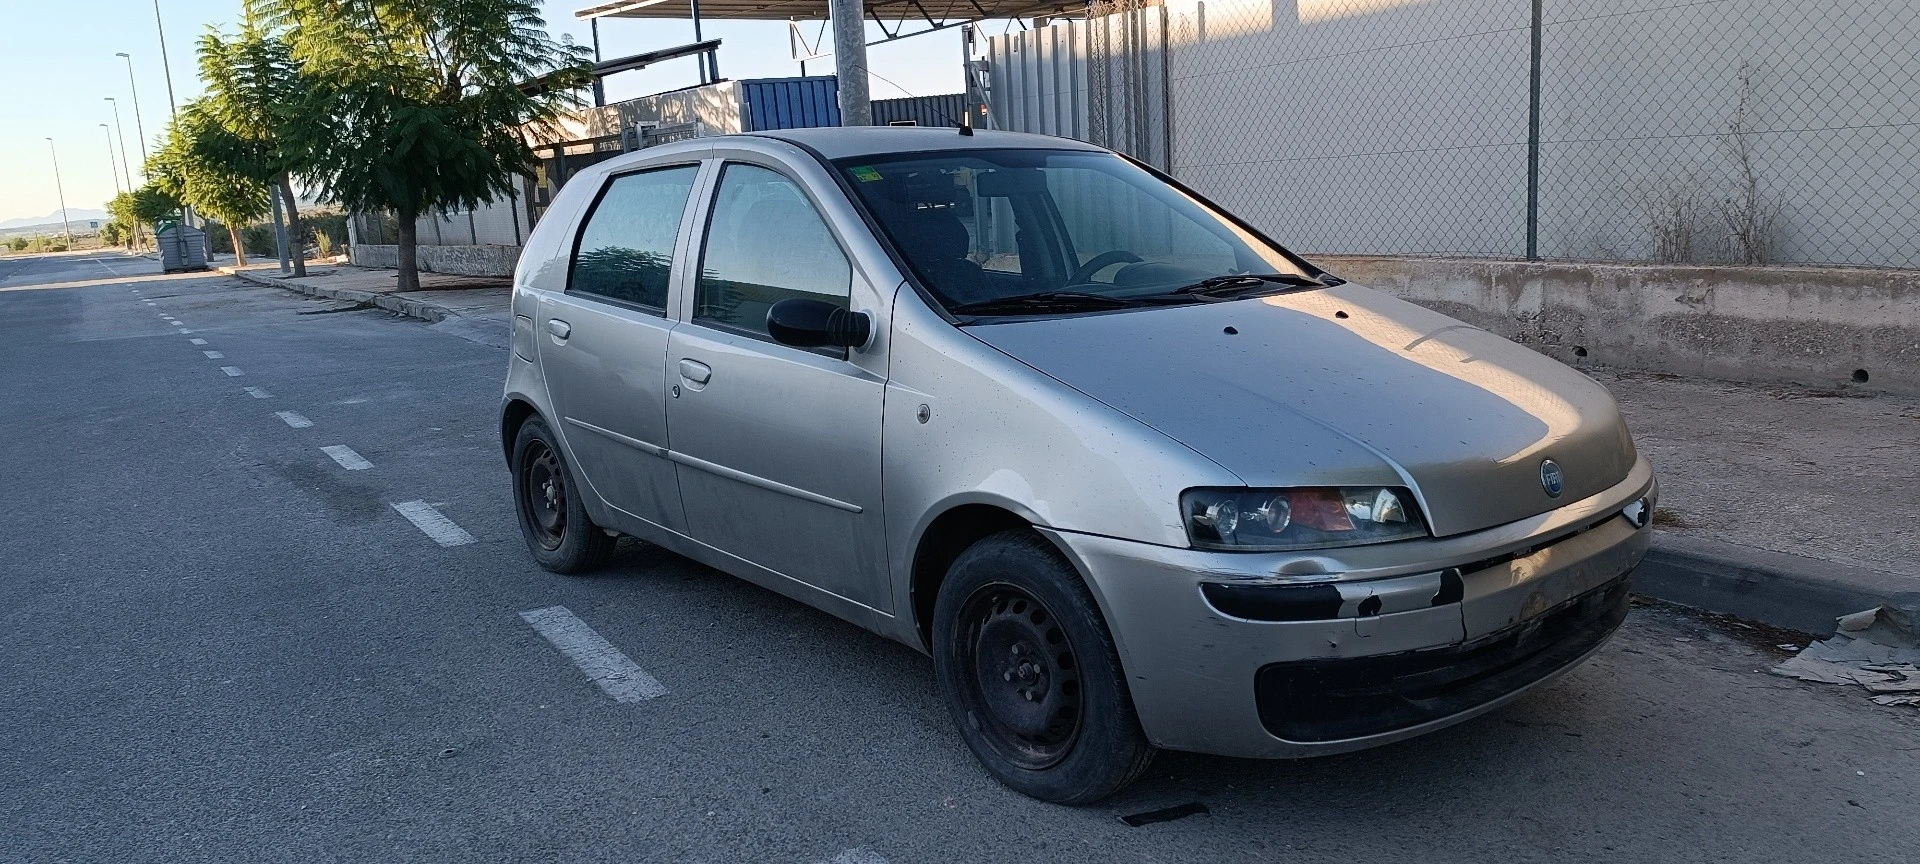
[(942, 110), (790, 103), (1047, 80)]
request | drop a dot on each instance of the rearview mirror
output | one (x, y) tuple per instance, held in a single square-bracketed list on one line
[(805, 323)]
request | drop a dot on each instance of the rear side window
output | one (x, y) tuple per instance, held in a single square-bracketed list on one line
[(626, 249), (765, 244)]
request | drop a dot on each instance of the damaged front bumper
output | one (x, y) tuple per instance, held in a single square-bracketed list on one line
[(1290, 655)]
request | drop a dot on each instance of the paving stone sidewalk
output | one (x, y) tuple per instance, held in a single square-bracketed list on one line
[(1749, 473)]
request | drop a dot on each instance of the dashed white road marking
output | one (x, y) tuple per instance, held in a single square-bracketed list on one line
[(197, 341), (348, 459), (232, 371), (184, 331), (861, 855), (605, 666), (433, 524), (294, 419), (214, 355), (258, 393)]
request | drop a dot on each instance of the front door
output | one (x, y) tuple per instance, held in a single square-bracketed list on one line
[(604, 343), (778, 448)]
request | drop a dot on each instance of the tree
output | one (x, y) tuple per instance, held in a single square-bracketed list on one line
[(254, 90), (205, 166), (417, 104)]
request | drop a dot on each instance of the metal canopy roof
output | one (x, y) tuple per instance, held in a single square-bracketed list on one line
[(816, 10)]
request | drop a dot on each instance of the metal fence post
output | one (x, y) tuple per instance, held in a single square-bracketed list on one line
[(1533, 142)]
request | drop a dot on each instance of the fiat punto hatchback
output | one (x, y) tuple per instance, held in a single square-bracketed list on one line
[(1134, 475)]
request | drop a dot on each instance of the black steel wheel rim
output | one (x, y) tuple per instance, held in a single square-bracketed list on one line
[(1019, 677), (543, 495)]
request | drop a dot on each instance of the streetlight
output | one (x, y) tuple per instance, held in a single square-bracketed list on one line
[(113, 168), (121, 131), (138, 126), (62, 191), (165, 67)]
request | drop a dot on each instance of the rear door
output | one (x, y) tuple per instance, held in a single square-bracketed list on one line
[(603, 342), (778, 448)]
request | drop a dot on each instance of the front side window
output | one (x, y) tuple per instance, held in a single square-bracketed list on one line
[(626, 248), (986, 230), (765, 243)]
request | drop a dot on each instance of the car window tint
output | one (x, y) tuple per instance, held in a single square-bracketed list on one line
[(626, 248), (765, 243)]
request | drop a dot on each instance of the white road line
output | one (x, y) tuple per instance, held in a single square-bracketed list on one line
[(198, 341), (232, 371), (348, 459), (861, 855), (294, 419), (605, 666), (184, 331), (214, 355), (258, 393), (433, 524)]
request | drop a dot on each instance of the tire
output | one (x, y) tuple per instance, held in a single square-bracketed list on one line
[(553, 519), (1031, 674)]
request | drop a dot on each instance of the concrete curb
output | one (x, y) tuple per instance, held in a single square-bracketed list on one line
[(420, 309), (1789, 591)]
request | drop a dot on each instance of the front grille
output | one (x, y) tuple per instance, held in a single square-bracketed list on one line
[(1329, 700)]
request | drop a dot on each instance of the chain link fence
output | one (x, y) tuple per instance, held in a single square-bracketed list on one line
[(1715, 131)]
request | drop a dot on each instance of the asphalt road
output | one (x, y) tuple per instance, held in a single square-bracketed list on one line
[(217, 643)]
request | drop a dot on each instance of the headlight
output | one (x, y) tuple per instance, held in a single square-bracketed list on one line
[(1254, 520)]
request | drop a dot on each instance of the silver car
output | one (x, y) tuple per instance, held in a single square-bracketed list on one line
[(1135, 475)]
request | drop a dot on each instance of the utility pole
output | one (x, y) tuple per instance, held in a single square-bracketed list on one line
[(850, 61), (138, 126), (61, 190), (165, 67), (118, 130)]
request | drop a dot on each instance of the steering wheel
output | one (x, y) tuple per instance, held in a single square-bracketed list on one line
[(1099, 262)]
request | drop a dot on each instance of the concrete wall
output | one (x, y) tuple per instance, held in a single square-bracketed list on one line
[(1803, 325), (459, 260)]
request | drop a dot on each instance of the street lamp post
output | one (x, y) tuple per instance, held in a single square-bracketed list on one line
[(165, 67), (62, 192), (113, 165), (113, 169), (118, 130), (138, 126)]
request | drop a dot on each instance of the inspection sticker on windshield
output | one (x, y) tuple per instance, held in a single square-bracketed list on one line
[(865, 173)]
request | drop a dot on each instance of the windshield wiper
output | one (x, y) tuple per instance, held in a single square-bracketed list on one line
[(1218, 285), (1048, 301)]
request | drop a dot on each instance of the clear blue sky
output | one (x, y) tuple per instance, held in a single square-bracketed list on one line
[(57, 65)]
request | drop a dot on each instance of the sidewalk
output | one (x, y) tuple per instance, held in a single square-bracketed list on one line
[(1780, 503)]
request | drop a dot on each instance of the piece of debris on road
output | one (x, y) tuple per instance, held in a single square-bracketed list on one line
[(1878, 649)]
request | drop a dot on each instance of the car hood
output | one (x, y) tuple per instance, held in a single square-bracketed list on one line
[(1345, 386)]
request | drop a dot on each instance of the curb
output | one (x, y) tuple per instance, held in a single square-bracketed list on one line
[(432, 312), (1804, 594)]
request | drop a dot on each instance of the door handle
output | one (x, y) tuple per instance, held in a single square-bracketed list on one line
[(695, 371), (560, 329)]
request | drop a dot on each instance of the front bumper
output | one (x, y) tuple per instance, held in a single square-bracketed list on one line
[(1395, 640)]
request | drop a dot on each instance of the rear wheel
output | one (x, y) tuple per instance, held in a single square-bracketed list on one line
[(1031, 675), (553, 518)]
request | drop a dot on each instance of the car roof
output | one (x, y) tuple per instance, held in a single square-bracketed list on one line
[(836, 142)]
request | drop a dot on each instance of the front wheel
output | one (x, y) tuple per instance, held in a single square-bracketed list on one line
[(1031, 675), (553, 518)]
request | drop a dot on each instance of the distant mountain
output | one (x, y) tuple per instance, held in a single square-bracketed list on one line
[(74, 214)]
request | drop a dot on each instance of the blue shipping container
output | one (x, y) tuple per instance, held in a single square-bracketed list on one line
[(790, 103)]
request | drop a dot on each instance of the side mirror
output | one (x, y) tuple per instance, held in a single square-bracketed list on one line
[(805, 323)]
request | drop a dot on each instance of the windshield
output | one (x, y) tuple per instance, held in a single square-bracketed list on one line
[(985, 229)]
